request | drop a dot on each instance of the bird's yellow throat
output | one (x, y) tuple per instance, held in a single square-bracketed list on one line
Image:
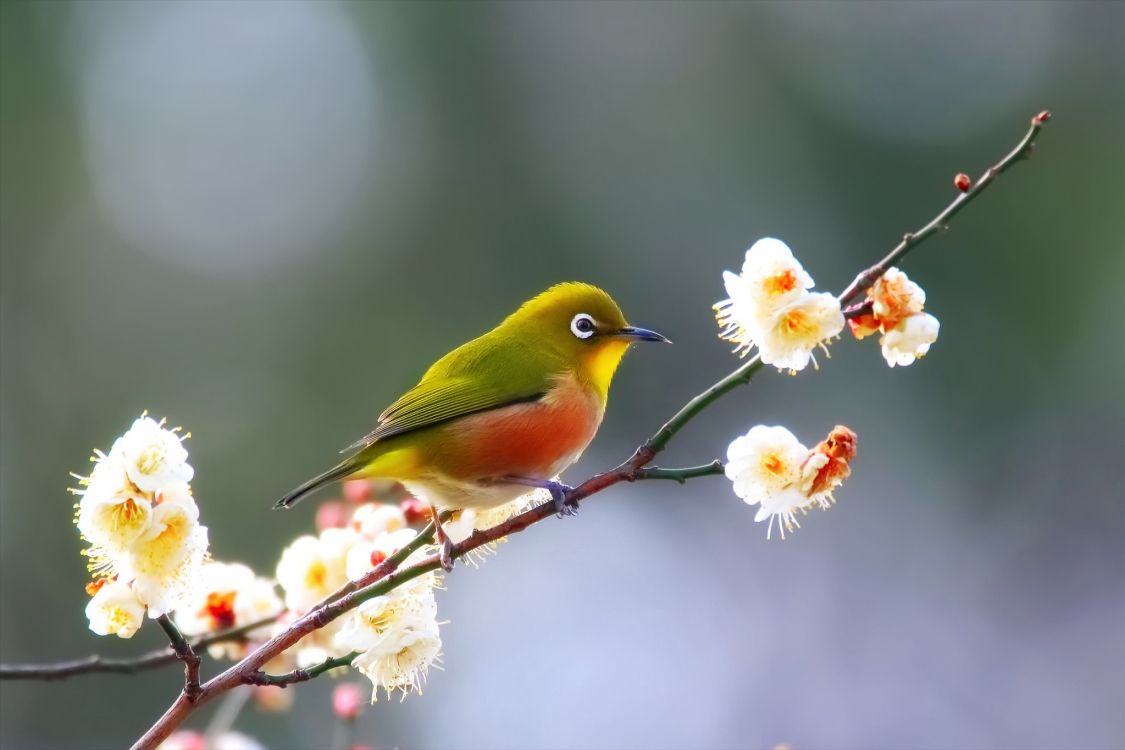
[(602, 362)]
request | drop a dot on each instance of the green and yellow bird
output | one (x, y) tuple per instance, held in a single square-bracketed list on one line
[(506, 411)]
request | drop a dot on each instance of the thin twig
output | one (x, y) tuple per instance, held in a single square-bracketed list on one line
[(679, 475), (911, 240), (131, 665), (300, 675), (185, 653), (421, 539), (248, 670)]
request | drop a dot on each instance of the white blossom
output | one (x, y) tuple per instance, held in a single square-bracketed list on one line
[(764, 462), (137, 512), (112, 512), (771, 279), (313, 567), (783, 508), (153, 456), (229, 595), (894, 296), (400, 659), (365, 555), (375, 618), (769, 467), (115, 610), (372, 519), (788, 338), (164, 565), (897, 313), (910, 339)]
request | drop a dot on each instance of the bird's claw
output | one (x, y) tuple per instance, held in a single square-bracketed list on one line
[(445, 555), (445, 544), (563, 507)]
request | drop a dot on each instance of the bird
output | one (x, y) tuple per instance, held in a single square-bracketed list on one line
[(506, 411)]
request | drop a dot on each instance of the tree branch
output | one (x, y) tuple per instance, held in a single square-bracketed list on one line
[(386, 577), (680, 475), (186, 654), (300, 675), (131, 665), (911, 240)]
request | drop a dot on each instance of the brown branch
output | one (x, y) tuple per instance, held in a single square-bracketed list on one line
[(911, 240), (387, 575), (101, 665), (186, 654), (301, 675)]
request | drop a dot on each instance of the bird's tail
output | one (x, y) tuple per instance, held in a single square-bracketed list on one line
[(339, 471)]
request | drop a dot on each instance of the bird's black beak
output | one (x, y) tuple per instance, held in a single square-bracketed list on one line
[(642, 334)]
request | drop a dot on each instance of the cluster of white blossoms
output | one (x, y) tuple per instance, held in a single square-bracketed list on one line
[(396, 635), (138, 515), (229, 595), (770, 307), (769, 467), (896, 313)]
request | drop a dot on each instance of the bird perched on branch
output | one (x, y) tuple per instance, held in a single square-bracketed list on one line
[(506, 411)]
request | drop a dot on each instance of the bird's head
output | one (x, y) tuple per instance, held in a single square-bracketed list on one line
[(584, 326)]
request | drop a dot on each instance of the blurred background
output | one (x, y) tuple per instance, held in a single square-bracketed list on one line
[(263, 220)]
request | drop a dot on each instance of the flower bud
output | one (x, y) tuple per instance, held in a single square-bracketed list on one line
[(357, 490), (863, 325), (331, 514), (963, 182), (415, 510), (1041, 118), (347, 699)]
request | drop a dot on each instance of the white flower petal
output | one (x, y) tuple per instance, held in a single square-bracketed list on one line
[(152, 455), (793, 332), (910, 339), (115, 610)]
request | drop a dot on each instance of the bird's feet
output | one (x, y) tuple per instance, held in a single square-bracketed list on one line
[(445, 544), (563, 507), (558, 491), (445, 555)]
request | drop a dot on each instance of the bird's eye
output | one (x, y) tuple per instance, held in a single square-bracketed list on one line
[(582, 326)]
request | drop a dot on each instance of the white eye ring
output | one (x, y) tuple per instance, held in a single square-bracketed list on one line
[(582, 326)]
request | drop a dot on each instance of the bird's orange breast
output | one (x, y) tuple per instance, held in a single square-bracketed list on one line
[(537, 439)]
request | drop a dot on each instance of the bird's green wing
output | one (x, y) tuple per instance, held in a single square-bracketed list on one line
[(484, 374)]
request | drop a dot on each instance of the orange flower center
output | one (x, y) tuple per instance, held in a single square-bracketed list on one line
[(220, 608), (780, 283), (797, 323), (127, 513), (316, 576), (772, 464)]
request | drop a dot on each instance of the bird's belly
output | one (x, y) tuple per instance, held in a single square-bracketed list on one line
[(535, 440), (532, 440), (446, 492)]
